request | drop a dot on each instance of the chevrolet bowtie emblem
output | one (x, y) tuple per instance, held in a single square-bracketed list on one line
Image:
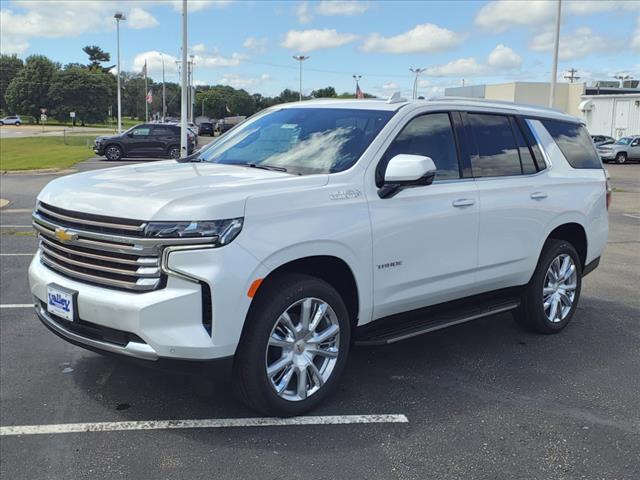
[(65, 235)]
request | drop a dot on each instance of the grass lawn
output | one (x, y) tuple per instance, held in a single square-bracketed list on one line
[(44, 152)]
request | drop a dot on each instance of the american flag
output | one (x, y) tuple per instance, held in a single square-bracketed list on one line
[(359, 93), (150, 96)]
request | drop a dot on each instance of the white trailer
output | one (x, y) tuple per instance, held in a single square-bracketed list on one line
[(613, 115)]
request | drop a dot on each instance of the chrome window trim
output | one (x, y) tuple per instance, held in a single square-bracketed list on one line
[(534, 132)]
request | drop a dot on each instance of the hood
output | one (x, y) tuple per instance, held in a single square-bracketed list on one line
[(169, 190)]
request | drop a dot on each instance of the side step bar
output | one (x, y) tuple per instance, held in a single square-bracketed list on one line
[(400, 327)]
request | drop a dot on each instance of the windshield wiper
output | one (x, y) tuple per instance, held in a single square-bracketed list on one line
[(265, 167)]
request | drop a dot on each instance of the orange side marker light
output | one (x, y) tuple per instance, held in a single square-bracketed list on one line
[(253, 289)]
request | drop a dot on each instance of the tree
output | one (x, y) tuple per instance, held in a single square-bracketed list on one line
[(80, 90), (97, 56), (287, 95), (10, 65), (328, 92), (134, 94), (29, 88)]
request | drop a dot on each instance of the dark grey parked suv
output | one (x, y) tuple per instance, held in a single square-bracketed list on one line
[(146, 140)]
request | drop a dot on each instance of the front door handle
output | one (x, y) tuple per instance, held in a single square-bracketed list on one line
[(538, 195), (463, 202)]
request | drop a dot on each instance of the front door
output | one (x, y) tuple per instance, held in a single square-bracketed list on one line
[(138, 143), (424, 238)]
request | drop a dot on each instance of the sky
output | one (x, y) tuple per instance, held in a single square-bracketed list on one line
[(250, 44)]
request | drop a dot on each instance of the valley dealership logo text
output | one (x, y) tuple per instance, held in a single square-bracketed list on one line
[(397, 263)]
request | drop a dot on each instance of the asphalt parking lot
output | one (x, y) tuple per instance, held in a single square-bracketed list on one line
[(480, 400)]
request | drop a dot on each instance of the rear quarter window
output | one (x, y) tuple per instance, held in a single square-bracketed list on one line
[(574, 142)]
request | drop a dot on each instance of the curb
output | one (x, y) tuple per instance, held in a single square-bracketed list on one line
[(42, 171)]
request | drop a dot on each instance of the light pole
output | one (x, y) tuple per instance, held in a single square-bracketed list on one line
[(192, 90), (417, 72), (357, 79), (554, 67), (119, 16), (300, 59), (184, 150)]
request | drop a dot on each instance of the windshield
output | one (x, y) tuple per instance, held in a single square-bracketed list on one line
[(624, 141), (300, 140)]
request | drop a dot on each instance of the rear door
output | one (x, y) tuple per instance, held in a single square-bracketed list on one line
[(138, 142), (162, 137), (634, 149), (514, 193)]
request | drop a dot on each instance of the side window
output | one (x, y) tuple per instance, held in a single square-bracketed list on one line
[(574, 143), (161, 131), (498, 154), (636, 142), (141, 132), (430, 135)]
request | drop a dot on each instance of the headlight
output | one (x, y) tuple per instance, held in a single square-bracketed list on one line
[(221, 231)]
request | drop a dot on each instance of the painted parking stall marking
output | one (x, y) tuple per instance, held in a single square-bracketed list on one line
[(17, 305), (202, 423)]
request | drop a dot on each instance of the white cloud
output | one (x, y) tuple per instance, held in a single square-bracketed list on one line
[(501, 58), (139, 19), (462, 67), (214, 59), (241, 81), (154, 60), (258, 45), (303, 12), (577, 44), (504, 58), (199, 48), (425, 38), (635, 37), (9, 46), (500, 15), (341, 7), (309, 40)]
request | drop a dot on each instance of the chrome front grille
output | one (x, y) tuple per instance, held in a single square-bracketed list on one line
[(101, 250)]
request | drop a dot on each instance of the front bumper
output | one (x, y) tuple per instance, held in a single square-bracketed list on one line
[(98, 149), (162, 324), (607, 155)]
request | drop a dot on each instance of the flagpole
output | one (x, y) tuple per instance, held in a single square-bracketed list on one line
[(164, 101), (183, 81), (146, 94)]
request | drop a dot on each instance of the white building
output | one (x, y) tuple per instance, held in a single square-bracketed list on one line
[(613, 115)]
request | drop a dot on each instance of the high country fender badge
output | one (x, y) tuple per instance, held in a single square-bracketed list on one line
[(345, 194)]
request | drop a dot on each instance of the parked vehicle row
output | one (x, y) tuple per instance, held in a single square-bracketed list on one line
[(316, 225)]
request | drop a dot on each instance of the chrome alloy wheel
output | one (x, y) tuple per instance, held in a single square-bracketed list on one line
[(112, 153), (303, 349), (559, 289)]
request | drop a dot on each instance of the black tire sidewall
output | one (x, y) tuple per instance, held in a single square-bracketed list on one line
[(116, 147), (250, 364), (171, 149), (534, 297), (621, 156)]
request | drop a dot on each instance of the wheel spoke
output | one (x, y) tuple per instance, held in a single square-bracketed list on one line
[(325, 335), (286, 379), (285, 321), (566, 262), (317, 317), (569, 273), (315, 375), (275, 341), (302, 382), (546, 291), (331, 352), (305, 313), (570, 287), (277, 366), (554, 309)]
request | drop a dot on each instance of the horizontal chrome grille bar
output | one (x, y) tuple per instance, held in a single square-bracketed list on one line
[(140, 285), (142, 272), (139, 261), (84, 221)]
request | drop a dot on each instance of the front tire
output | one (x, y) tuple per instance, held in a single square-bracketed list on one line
[(621, 158), (113, 152), (551, 297), (294, 347)]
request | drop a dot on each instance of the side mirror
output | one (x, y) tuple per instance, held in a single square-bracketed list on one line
[(130, 134), (405, 171)]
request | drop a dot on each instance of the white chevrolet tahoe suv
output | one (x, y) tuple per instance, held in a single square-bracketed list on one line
[(318, 225)]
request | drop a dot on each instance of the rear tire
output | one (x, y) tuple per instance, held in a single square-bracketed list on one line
[(551, 297), (113, 152), (621, 158), (174, 152), (285, 366), (17, 124)]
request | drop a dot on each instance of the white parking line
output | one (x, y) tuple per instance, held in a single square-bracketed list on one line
[(17, 254), (16, 226), (203, 423), (631, 215), (17, 210), (17, 305)]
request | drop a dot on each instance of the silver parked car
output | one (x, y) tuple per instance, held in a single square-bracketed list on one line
[(599, 140), (11, 120), (623, 150)]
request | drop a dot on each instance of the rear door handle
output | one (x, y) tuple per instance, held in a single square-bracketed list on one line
[(538, 195), (463, 202)]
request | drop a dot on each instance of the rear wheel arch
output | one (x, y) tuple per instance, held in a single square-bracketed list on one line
[(575, 234)]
